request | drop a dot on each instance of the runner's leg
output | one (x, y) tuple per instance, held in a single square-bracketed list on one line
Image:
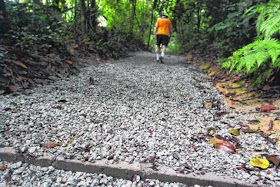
[(163, 50), (157, 52)]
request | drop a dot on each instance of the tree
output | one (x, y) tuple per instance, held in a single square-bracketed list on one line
[(93, 14), (4, 20), (83, 16)]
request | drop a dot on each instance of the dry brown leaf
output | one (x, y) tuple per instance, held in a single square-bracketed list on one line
[(208, 105), (222, 145), (270, 125), (3, 167), (13, 88), (20, 64), (50, 144), (69, 62), (267, 125), (267, 108), (226, 146), (275, 159), (266, 88), (268, 172)]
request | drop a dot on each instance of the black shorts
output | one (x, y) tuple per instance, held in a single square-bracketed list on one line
[(162, 39)]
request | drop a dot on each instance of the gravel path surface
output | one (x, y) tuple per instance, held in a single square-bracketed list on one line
[(132, 110)]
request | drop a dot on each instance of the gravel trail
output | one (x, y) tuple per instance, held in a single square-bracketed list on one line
[(132, 110)]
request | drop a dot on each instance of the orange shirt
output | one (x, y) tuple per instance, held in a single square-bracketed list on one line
[(164, 26)]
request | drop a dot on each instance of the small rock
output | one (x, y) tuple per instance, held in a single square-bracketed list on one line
[(128, 184), (16, 165), (32, 149), (82, 183), (19, 171)]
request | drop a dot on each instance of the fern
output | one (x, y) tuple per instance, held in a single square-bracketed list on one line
[(265, 48), (252, 56), (268, 22)]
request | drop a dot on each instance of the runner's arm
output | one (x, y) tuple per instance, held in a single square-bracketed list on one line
[(155, 29)]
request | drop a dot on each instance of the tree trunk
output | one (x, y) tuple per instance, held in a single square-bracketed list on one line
[(75, 14), (93, 16), (152, 19), (83, 16), (198, 9), (133, 11), (5, 22)]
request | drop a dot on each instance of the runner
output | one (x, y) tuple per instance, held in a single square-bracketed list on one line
[(163, 33)]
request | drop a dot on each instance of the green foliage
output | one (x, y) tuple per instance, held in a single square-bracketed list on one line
[(32, 31), (122, 17), (268, 22), (236, 30), (264, 52)]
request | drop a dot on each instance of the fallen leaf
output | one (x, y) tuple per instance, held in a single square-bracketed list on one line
[(192, 146), (50, 144), (208, 105), (259, 162), (234, 132), (111, 157), (248, 130), (71, 140), (13, 88), (211, 130), (270, 125), (69, 62), (186, 114), (226, 146), (152, 159), (254, 121), (20, 64), (3, 167), (267, 108), (219, 114), (150, 130), (245, 168), (222, 145), (186, 165), (275, 159), (266, 88), (31, 154), (268, 172), (57, 107)]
